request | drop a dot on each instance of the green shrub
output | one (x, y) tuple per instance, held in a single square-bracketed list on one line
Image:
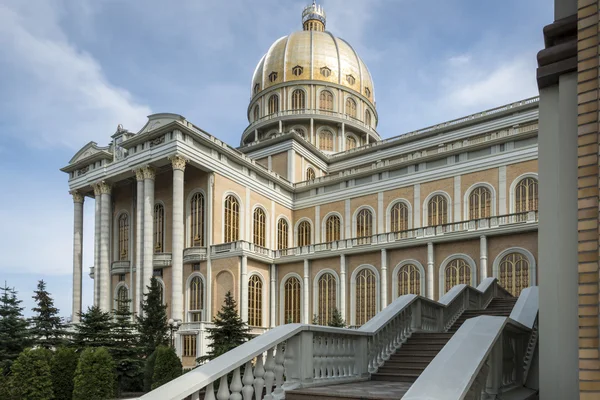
[(167, 366), (64, 364), (95, 375), (149, 371), (31, 378)]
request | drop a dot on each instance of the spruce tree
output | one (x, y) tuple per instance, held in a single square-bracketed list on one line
[(95, 375), (229, 331), (152, 324), (63, 366), (125, 349), (13, 328), (46, 326), (336, 320), (167, 366), (94, 329), (31, 378), (149, 371)]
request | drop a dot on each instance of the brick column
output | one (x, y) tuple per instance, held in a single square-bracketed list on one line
[(77, 253)]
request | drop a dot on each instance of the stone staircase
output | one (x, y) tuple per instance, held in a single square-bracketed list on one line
[(395, 377)]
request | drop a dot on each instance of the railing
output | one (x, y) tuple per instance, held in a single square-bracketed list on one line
[(162, 259), (194, 254), (294, 355)]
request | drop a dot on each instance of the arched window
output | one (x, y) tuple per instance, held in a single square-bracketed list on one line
[(437, 211), (282, 234), (304, 234), (350, 143), (326, 100), (514, 273), (123, 237), (350, 107), (326, 140), (367, 117), (260, 225), (366, 296), (480, 203), (310, 174), (291, 301), (457, 272), (332, 228), (232, 219), (327, 297), (256, 113), (364, 226), (197, 219), (526, 195), (123, 298), (399, 217), (409, 280), (255, 288), (256, 88), (273, 104), (196, 299), (298, 100), (159, 228)]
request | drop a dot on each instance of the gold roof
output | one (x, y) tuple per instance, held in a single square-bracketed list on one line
[(320, 56)]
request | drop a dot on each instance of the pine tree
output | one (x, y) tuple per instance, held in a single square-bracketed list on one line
[(47, 327), (63, 366), (149, 371), (167, 366), (94, 329), (95, 375), (13, 328), (125, 349), (31, 378), (336, 320), (229, 331), (152, 325)]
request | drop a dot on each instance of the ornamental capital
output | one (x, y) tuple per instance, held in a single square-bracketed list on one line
[(178, 162), (149, 172), (139, 174), (77, 197), (102, 188)]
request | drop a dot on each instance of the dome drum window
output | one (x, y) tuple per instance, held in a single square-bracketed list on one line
[(256, 88), (297, 70), (272, 76), (367, 92), (326, 72), (350, 79)]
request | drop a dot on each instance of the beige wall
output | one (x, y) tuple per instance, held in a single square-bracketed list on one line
[(279, 164), (225, 277)]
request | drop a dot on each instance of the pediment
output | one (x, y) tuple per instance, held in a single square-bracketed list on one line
[(87, 151), (155, 121)]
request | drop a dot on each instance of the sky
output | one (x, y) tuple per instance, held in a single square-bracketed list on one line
[(71, 71)]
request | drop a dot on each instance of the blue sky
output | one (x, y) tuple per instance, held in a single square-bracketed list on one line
[(70, 71)]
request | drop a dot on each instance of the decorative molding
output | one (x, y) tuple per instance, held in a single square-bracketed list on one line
[(77, 196), (178, 162), (83, 171), (149, 172), (139, 174), (102, 188), (157, 141)]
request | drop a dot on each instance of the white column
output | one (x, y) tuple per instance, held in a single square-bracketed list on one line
[(139, 240), (502, 207), (273, 295), (344, 137), (318, 224), (105, 212), (148, 267), (312, 131), (483, 258), (417, 206), (343, 286), (430, 264), (247, 225), (306, 291), (77, 253), (457, 200), (209, 242), (97, 206), (380, 213), (291, 170), (347, 220), (384, 285), (178, 164), (244, 288)]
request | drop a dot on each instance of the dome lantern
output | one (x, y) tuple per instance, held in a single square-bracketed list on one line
[(314, 18)]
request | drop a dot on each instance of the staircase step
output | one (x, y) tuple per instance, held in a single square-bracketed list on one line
[(422, 346), (406, 364), (395, 377), (415, 353), (412, 358), (393, 370)]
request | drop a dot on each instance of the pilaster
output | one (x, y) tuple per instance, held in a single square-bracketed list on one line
[(430, 265), (178, 164), (306, 318), (139, 240), (77, 253), (343, 286), (244, 288), (148, 254), (97, 207), (483, 258), (417, 206), (105, 189), (384, 284), (273, 295), (209, 241)]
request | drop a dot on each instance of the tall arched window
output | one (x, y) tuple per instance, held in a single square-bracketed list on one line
[(196, 299), (457, 272), (255, 288), (260, 225), (291, 301), (327, 297), (409, 280), (256, 113), (364, 226), (273, 104), (350, 107), (310, 174), (367, 117), (159, 228), (326, 100), (123, 237), (366, 296), (514, 273), (232, 219), (332, 228), (480, 203), (298, 100), (123, 298), (197, 219), (526, 195), (350, 143), (326, 140), (282, 234), (437, 211), (399, 217), (304, 234)]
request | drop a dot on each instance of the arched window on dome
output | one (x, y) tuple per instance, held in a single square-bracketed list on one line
[(232, 219), (326, 140), (350, 107), (310, 174), (273, 104), (368, 118), (350, 142), (298, 100), (304, 234), (326, 100), (256, 113), (256, 88), (332, 228), (282, 234)]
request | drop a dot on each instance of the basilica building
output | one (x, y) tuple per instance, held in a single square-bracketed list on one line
[(314, 211)]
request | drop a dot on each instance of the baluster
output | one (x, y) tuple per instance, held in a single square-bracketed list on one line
[(210, 392), (279, 370), (196, 396), (371, 354), (329, 354), (259, 382), (223, 393), (236, 385), (248, 380), (269, 374)]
